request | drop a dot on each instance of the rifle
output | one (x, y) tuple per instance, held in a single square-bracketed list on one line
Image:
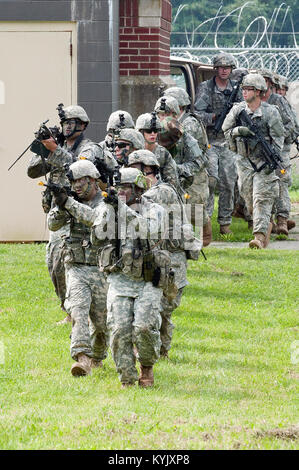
[(270, 156), (43, 133), (57, 188), (228, 105)]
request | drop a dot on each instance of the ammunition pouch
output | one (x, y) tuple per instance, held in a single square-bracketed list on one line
[(132, 262), (80, 252), (107, 259), (46, 201), (162, 273)]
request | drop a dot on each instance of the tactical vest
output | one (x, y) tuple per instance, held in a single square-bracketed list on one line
[(78, 247), (253, 147)]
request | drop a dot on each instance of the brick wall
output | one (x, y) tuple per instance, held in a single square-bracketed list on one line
[(144, 49)]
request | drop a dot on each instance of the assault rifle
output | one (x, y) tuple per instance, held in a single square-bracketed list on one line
[(228, 105), (270, 156), (43, 133), (58, 188)]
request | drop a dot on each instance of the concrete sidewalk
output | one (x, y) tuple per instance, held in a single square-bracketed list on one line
[(291, 244)]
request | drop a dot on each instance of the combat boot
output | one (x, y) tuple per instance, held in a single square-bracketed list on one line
[(258, 241), (282, 226), (250, 224), (224, 229), (291, 224), (207, 233), (82, 366), (146, 378)]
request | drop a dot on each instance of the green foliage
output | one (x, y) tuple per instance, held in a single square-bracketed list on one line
[(189, 14), (230, 382)]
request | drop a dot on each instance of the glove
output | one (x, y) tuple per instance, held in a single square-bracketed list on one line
[(60, 197), (242, 131), (111, 197)]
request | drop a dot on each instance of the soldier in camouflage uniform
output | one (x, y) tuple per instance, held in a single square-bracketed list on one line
[(185, 151), (259, 189), (165, 195), (211, 97), (126, 141), (133, 302), (149, 125), (76, 145), (117, 120), (283, 203), (86, 286), (199, 190)]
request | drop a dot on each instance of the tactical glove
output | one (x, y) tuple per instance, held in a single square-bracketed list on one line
[(60, 197), (242, 131)]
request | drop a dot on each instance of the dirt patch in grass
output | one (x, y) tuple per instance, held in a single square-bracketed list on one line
[(291, 433)]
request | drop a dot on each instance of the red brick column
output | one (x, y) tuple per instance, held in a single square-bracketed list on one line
[(144, 51)]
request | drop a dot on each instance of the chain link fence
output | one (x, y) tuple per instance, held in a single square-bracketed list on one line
[(284, 61)]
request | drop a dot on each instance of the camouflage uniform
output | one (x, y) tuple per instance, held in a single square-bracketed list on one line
[(165, 196), (133, 303), (186, 152), (199, 189), (283, 202), (86, 286), (221, 167), (54, 167), (259, 189), (168, 167)]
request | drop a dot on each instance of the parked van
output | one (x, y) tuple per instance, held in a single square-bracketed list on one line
[(188, 74)]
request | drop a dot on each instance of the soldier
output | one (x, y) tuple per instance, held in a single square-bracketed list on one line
[(211, 97), (199, 190), (74, 121), (165, 195), (283, 202), (86, 286), (126, 141), (117, 120), (258, 188), (149, 125), (134, 295), (185, 150)]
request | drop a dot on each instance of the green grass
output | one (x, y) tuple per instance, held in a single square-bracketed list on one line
[(239, 228), (230, 383)]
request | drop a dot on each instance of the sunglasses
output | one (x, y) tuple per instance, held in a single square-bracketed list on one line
[(121, 145)]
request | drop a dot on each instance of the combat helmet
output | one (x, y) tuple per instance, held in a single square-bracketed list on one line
[(255, 80), (120, 119), (224, 60), (148, 121), (82, 168), (74, 112), (179, 94), (284, 82), (132, 136), (167, 104), (266, 74), (145, 157), (132, 176), (239, 73)]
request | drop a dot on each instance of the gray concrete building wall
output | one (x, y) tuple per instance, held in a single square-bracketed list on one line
[(97, 60)]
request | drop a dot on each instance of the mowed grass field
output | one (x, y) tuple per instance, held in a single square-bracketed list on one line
[(231, 381)]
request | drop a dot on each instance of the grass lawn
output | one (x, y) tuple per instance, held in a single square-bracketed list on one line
[(231, 381)]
